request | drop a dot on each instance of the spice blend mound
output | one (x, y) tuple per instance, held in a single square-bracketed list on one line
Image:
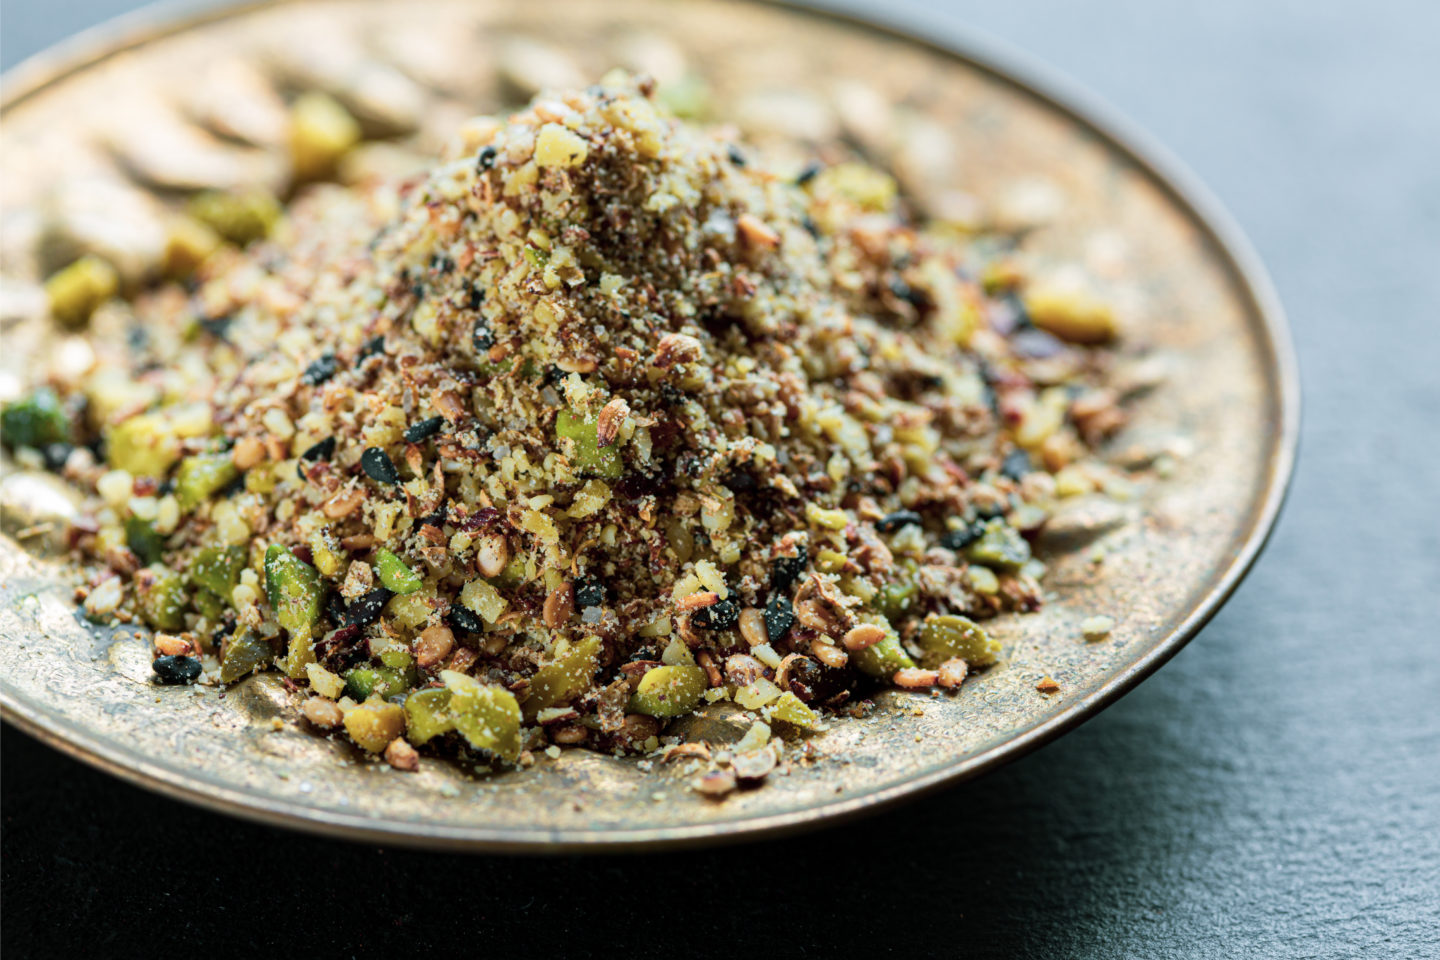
[(600, 420)]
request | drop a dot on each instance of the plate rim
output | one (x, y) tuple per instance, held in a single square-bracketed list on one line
[(929, 31)]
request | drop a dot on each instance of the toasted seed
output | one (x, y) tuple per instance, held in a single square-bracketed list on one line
[(570, 733), (492, 553), (559, 606), (829, 654), (402, 756), (696, 601), (865, 635), (742, 669), (247, 452), (323, 713), (752, 626), (716, 783), (754, 765), (952, 672), (171, 646), (607, 426), (434, 645), (913, 678), (343, 503)]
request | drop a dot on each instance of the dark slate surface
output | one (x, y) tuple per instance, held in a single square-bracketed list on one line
[(1273, 792)]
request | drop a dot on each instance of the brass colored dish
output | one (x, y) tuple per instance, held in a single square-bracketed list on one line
[(1225, 420)]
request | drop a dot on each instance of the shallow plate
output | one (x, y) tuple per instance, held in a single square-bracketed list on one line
[(973, 125)]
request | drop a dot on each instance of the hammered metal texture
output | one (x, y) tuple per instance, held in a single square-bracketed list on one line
[(1171, 554)]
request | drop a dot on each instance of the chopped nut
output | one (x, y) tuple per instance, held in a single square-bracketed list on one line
[(684, 751), (753, 765), (862, 636), (743, 670), (752, 626), (559, 605), (757, 232), (676, 348), (828, 654), (913, 678), (323, 713), (695, 601), (492, 553), (571, 733), (715, 783), (402, 756), (433, 645), (172, 646), (608, 425), (344, 503), (952, 673), (247, 452), (451, 406)]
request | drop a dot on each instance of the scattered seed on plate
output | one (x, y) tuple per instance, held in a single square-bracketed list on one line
[(176, 669)]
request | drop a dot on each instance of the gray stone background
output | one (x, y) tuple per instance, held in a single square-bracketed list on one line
[(1272, 792)]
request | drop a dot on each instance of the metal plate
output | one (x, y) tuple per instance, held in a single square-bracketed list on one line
[(1172, 554)]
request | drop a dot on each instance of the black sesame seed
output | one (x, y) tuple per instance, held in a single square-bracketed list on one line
[(811, 227), (486, 158), (176, 669), (903, 291), (424, 429), (735, 156), (371, 348), (779, 617), (378, 466), (789, 569), (1016, 465), (740, 480), (334, 606), (323, 450), (811, 171), (55, 455), (481, 336), (218, 327), (720, 615), (589, 593), (963, 537), (894, 521), (466, 619), (366, 609), (475, 295), (321, 370), (436, 519)]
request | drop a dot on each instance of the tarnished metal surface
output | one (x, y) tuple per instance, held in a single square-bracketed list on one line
[(1171, 554)]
